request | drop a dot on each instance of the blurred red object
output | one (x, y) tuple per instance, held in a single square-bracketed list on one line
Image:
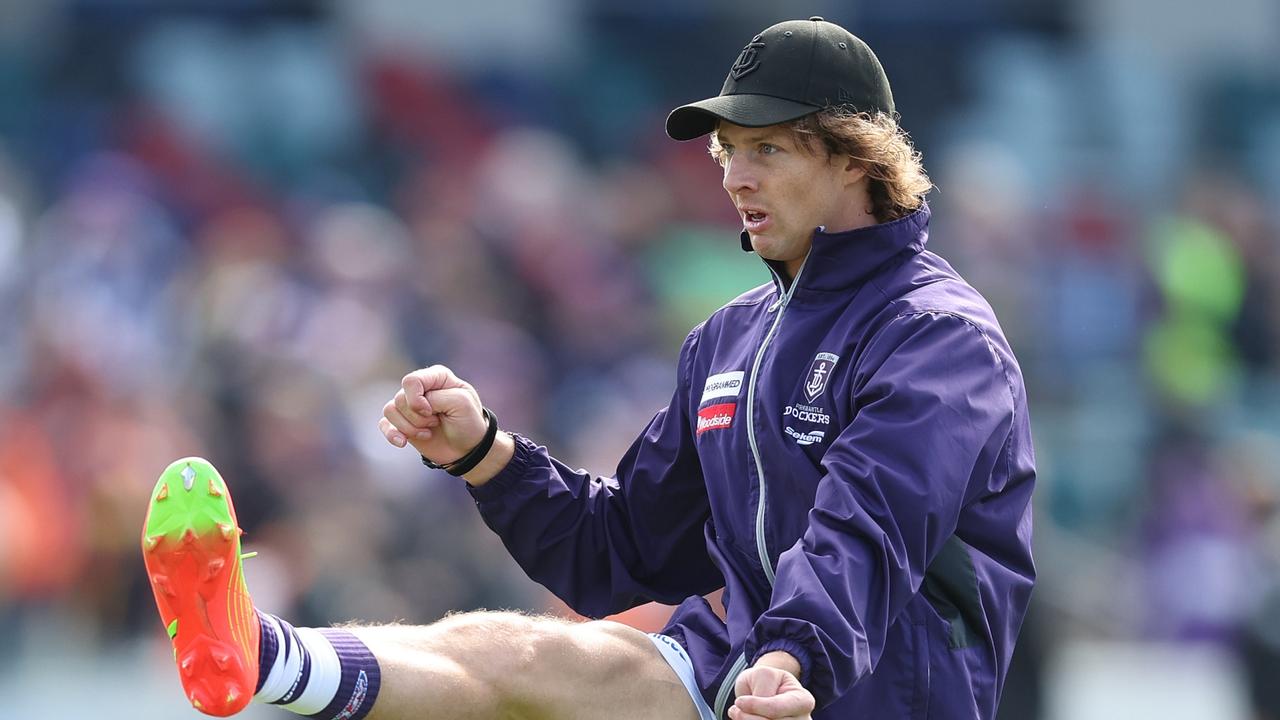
[(41, 548)]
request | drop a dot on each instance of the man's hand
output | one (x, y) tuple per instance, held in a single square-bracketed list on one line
[(769, 690), (441, 417)]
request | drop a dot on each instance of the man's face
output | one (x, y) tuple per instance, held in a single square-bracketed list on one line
[(783, 191)]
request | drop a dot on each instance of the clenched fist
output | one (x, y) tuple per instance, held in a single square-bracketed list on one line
[(767, 691), (440, 416)]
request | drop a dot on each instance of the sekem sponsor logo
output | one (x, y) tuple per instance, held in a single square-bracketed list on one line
[(807, 438)]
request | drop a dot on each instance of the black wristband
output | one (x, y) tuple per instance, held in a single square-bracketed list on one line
[(468, 462)]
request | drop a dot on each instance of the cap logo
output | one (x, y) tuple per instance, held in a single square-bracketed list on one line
[(748, 59)]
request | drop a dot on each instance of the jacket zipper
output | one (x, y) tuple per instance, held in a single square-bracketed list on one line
[(722, 696), (726, 686), (761, 545)]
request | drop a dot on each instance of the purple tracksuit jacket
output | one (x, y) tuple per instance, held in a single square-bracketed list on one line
[(849, 456)]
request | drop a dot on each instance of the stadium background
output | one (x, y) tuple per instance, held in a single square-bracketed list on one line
[(227, 228)]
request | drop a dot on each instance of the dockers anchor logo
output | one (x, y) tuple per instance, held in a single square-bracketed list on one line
[(819, 372), (748, 59)]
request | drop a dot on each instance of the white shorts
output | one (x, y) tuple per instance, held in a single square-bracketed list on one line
[(679, 661)]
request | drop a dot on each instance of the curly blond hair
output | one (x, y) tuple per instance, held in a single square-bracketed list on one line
[(898, 181)]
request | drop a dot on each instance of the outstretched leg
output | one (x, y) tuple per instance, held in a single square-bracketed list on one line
[(482, 665), (467, 666)]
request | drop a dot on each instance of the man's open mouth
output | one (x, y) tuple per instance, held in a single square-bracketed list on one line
[(754, 219)]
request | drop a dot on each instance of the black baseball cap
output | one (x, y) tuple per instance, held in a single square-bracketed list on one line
[(790, 70)]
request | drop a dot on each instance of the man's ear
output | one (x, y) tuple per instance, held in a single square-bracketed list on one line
[(854, 171)]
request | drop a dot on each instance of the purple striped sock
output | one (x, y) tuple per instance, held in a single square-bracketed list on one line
[(361, 678), (267, 650)]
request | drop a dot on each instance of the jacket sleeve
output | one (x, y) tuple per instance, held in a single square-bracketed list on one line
[(604, 545), (933, 410)]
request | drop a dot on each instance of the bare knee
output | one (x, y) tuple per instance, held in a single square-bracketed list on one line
[(487, 627), (515, 657), (531, 662)]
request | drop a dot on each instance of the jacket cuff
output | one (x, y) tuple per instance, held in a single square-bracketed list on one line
[(792, 648), (515, 470)]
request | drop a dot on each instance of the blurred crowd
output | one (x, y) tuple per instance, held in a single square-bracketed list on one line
[(228, 229)]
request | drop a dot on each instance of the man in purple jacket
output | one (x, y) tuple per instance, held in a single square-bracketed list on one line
[(847, 454)]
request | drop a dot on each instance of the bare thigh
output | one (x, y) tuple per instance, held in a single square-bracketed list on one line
[(477, 666)]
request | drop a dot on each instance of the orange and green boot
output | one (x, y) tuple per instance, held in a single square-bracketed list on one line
[(191, 546)]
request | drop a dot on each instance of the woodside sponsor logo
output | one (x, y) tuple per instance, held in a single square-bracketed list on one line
[(715, 417)]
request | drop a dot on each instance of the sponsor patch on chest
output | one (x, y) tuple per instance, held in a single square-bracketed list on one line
[(805, 438), (716, 417), (726, 384)]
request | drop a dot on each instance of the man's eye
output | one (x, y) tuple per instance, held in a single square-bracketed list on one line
[(767, 149), (727, 149)]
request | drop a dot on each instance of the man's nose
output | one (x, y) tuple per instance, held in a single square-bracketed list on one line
[(739, 176)]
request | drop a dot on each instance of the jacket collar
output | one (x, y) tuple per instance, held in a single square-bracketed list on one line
[(839, 261)]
